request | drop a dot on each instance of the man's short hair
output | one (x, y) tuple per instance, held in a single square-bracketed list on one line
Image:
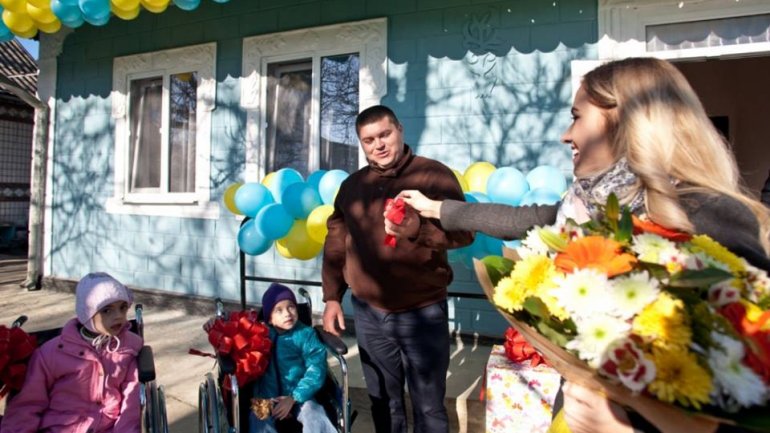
[(374, 114)]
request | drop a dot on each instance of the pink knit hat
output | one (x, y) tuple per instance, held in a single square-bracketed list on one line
[(95, 291)]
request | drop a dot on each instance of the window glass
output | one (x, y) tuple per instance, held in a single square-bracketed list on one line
[(145, 135), (339, 107), (288, 116), (182, 111)]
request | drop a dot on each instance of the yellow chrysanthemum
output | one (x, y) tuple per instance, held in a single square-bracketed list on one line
[(705, 244), (679, 377), (530, 275), (664, 321), (553, 305)]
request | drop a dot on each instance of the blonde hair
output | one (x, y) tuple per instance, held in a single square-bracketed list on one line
[(657, 122)]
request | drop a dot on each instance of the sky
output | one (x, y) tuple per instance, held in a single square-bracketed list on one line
[(30, 45)]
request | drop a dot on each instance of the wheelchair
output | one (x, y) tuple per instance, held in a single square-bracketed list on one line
[(152, 398), (218, 413)]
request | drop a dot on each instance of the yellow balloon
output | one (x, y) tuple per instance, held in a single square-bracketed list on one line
[(268, 180), (477, 174), (125, 15), (18, 22), (50, 27), (298, 243), (41, 15), (124, 5), (42, 4), (282, 250), (14, 5), (154, 7), (316, 222), (461, 180), (229, 198)]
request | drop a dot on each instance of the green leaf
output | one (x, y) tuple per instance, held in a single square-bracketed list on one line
[(612, 210), (625, 228), (552, 240), (536, 307), (702, 278), (552, 334), (497, 267)]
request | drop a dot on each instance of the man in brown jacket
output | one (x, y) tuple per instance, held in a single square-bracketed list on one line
[(399, 294)]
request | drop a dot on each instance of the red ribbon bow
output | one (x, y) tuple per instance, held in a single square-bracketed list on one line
[(16, 346), (395, 213), (518, 350), (245, 340)]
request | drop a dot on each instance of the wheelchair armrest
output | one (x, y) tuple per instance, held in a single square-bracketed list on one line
[(146, 365), (332, 341), (226, 364)]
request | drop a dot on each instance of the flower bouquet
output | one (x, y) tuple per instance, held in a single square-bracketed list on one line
[(624, 305)]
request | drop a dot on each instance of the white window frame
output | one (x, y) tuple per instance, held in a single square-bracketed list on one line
[(198, 58), (623, 23), (367, 38)]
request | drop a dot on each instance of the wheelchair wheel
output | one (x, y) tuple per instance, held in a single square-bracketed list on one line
[(211, 409), (152, 419)]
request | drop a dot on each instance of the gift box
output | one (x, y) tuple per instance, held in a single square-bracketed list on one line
[(519, 397)]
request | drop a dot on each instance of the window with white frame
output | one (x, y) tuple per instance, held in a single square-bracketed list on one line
[(302, 91), (162, 104)]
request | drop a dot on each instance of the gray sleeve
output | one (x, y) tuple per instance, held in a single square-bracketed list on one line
[(497, 220)]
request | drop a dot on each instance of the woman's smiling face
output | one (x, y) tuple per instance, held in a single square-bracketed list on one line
[(588, 137)]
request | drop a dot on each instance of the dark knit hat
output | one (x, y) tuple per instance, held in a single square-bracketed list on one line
[(275, 294)]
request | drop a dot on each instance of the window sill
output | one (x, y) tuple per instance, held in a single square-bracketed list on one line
[(207, 210)]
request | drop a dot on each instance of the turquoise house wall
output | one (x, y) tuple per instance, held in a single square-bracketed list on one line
[(470, 81)]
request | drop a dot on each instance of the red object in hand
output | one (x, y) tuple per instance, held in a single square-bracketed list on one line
[(518, 350), (16, 346), (395, 214), (245, 340)]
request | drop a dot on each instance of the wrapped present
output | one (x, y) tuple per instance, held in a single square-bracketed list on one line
[(519, 396)]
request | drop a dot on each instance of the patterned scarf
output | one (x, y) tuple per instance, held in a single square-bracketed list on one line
[(593, 191)]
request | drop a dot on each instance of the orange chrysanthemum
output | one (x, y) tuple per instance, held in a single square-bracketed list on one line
[(597, 253), (643, 226), (757, 340)]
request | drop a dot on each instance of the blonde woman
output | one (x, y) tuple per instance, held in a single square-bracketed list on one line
[(639, 131)]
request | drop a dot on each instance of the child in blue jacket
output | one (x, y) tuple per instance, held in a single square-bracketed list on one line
[(297, 368)]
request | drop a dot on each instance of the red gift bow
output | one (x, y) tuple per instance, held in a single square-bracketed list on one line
[(395, 214), (245, 340), (16, 346), (518, 350)]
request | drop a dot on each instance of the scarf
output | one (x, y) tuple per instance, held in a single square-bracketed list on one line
[(587, 194)]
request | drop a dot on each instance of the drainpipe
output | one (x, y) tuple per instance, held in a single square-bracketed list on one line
[(38, 178)]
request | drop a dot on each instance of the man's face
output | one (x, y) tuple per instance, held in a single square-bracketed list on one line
[(382, 142)]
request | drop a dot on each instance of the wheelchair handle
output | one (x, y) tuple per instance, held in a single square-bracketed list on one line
[(19, 321)]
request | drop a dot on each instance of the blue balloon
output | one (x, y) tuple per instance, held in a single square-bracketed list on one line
[(5, 33), (493, 245), (300, 199), (476, 197), (507, 185), (541, 196), (330, 183), (66, 12), (95, 10), (250, 241), (515, 243), (546, 176), (187, 5), (97, 21), (251, 197), (315, 178), (74, 22), (480, 246), (273, 221), (282, 179)]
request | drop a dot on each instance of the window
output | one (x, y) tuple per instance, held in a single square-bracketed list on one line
[(305, 88), (162, 104)]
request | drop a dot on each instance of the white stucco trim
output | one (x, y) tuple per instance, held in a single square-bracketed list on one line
[(199, 58), (622, 25), (368, 38)]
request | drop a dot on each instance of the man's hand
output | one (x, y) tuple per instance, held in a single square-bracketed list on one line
[(282, 408), (333, 318), (408, 228)]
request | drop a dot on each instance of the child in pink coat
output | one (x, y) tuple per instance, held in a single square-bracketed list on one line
[(84, 380)]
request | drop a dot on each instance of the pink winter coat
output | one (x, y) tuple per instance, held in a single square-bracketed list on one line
[(70, 387)]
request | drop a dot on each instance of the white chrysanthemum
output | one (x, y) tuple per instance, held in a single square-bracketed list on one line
[(734, 382), (723, 293), (595, 335), (629, 295), (650, 247), (533, 244), (583, 292), (706, 261), (759, 283)]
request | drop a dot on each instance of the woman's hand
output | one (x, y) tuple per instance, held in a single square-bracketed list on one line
[(426, 207), (585, 411), (282, 407)]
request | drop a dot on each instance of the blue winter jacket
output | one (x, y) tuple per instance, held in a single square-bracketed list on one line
[(297, 365)]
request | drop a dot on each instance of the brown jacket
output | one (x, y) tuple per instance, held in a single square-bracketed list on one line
[(413, 274)]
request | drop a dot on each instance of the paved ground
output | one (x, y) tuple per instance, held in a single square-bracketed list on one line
[(172, 330)]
